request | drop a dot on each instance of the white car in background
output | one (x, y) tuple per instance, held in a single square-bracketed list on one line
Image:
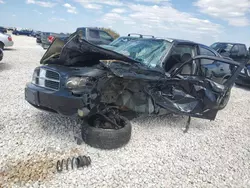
[(5, 41)]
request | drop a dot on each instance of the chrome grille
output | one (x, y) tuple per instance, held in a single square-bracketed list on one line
[(47, 79), (52, 75)]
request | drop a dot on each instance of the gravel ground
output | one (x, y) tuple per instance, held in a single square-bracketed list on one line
[(211, 154)]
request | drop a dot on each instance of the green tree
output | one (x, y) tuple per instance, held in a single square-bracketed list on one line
[(113, 33)]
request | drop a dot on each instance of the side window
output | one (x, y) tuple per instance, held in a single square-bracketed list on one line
[(179, 55), (242, 50), (204, 51), (94, 34), (105, 36), (235, 50)]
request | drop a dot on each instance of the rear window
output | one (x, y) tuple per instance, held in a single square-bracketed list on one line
[(105, 35), (222, 46), (94, 34)]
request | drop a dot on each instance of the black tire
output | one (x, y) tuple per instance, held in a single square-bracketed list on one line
[(224, 102), (1, 45), (107, 138)]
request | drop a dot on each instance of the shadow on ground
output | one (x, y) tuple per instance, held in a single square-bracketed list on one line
[(10, 49), (68, 127), (57, 125), (4, 66), (242, 87)]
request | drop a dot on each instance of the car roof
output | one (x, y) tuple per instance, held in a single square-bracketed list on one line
[(94, 28), (229, 43)]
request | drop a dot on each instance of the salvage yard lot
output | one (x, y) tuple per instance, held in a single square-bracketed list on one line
[(159, 154)]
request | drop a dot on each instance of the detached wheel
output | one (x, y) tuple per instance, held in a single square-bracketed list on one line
[(99, 133)]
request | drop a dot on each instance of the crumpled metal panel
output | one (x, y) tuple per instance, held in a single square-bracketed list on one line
[(185, 95), (189, 95)]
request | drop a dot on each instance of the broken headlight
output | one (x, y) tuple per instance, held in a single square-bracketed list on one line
[(35, 76), (76, 82)]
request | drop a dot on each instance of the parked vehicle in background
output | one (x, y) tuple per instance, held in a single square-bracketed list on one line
[(11, 28), (35, 33), (92, 35), (236, 51), (38, 38), (244, 77), (5, 41), (1, 54), (47, 38), (23, 32), (95, 36), (121, 40), (3, 29)]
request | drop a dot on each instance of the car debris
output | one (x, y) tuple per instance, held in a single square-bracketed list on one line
[(77, 162), (145, 77)]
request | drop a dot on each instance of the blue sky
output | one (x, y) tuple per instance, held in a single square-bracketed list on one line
[(204, 21)]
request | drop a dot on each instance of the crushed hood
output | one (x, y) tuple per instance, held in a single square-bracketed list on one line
[(78, 51)]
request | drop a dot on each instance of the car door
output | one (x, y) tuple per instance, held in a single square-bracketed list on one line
[(196, 94)]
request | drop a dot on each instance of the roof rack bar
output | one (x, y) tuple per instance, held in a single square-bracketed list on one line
[(140, 35), (149, 36), (134, 34)]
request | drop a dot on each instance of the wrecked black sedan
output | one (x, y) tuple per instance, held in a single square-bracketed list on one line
[(142, 77)]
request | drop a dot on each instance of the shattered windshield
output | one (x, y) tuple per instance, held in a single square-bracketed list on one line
[(118, 42), (147, 51), (222, 46)]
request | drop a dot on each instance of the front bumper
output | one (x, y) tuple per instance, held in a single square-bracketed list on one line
[(62, 102), (243, 79)]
